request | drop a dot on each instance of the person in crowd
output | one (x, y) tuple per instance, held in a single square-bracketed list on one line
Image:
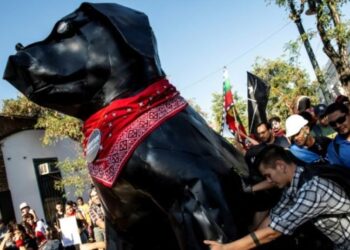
[(305, 147), (275, 123), (343, 99), (322, 128), (38, 228), (339, 119), (25, 209), (3, 229), (318, 200), (81, 222), (60, 213), (85, 209), (94, 245), (266, 137), (301, 104), (263, 200), (6, 242), (304, 107), (53, 240), (97, 216), (22, 240)]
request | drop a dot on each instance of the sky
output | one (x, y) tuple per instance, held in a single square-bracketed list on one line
[(196, 38)]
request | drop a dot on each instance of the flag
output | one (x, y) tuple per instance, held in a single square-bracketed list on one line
[(230, 117), (258, 94)]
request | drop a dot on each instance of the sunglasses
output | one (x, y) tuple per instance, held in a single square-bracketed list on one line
[(339, 121)]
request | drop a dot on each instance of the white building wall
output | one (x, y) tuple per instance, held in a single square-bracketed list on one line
[(19, 150), (332, 79)]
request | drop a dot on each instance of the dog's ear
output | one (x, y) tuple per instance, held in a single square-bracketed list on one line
[(132, 25)]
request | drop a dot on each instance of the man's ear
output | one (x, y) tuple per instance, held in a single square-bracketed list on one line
[(280, 165), (307, 129)]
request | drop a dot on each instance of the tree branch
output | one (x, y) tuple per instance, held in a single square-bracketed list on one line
[(337, 24), (327, 45)]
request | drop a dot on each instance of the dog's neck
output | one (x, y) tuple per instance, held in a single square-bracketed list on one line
[(125, 85)]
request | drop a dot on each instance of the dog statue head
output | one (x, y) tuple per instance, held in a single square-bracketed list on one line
[(96, 54)]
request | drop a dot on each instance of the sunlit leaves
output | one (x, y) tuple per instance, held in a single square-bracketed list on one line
[(57, 126), (287, 82)]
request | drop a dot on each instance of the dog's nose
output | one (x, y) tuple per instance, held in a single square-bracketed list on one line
[(16, 71), (22, 59)]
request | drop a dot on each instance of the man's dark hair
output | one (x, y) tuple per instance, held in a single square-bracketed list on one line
[(274, 118), (307, 116), (80, 198), (28, 216), (337, 106), (342, 99), (59, 203), (267, 125), (70, 203), (271, 153)]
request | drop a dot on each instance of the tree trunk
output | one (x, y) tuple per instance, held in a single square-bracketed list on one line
[(339, 56)]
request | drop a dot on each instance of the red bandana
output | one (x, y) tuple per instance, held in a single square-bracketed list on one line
[(125, 123)]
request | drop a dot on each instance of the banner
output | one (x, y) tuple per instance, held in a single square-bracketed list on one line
[(230, 117), (70, 231), (258, 94)]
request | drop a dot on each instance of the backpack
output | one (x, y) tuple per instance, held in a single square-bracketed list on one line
[(336, 173)]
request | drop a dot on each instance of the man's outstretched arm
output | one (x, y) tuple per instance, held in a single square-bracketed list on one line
[(259, 237)]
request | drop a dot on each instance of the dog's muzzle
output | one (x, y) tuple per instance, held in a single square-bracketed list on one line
[(17, 72)]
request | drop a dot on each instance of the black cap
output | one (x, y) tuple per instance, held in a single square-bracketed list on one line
[(320, 110)]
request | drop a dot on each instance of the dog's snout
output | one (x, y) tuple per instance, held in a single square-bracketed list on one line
[(22, 59), (16, 71)]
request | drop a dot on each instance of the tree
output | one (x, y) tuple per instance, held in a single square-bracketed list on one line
[(287, 82), (56, 126), (192, 102), (334, 33)]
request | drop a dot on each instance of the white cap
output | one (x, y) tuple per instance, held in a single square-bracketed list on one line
[(23, 205), (294, 123)]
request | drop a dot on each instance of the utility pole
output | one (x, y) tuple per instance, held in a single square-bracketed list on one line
[(295, 16)]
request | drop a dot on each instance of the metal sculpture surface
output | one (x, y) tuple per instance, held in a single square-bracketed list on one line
[(176, 186), (179, 185)]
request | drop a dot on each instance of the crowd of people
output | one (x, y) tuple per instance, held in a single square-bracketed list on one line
[(33, 233), (307, 164), (284, 161)]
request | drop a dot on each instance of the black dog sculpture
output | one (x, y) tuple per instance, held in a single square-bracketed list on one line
[(179, 184)]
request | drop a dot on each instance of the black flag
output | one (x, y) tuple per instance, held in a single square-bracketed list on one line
[(258, 94)]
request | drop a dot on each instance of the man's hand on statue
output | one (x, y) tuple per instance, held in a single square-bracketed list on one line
[(214, 245)]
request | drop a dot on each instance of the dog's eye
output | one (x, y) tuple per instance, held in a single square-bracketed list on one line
[(63, 28)]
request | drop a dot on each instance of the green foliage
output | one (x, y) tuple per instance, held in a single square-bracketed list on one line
[(196, 107), (21, 107), (57, 126), (217, 108), (333, 31), (293, 47), (286, 81), (75, 175)]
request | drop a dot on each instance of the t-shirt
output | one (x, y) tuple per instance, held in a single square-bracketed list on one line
[(319, 200), (320, 146), (281, 141), (339, 151)]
